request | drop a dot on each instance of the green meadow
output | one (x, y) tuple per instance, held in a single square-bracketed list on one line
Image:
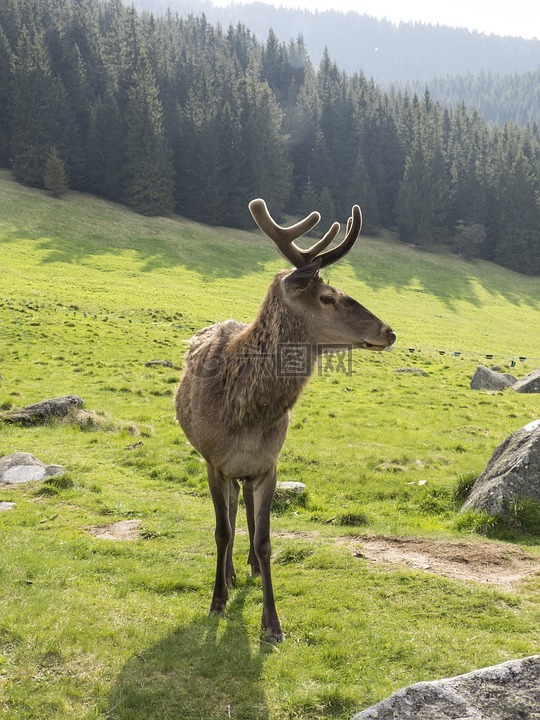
[(96, 628)]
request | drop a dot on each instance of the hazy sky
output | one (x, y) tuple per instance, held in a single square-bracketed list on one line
[(510, 17)]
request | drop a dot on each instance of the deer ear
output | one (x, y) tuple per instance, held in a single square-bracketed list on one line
[(300, 278)]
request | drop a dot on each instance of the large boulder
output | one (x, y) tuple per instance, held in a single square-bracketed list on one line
[(529, 384), (24, 467), (513, 472), (487, 379), (510, 691)]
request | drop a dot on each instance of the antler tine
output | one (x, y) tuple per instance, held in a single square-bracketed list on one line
[(354, 225), (283, 237), (311, 253)]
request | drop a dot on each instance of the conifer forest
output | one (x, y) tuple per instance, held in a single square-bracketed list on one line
[(171, 114)]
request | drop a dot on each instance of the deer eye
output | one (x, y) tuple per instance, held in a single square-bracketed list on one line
[(328, 299)]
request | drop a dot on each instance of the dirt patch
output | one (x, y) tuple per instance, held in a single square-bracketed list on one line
[(118, 531), (492, 563)]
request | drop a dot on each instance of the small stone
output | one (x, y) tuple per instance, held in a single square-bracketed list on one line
[(291, 486), (6, 506)]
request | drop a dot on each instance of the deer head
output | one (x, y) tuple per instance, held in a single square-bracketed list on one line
[(331, 317)]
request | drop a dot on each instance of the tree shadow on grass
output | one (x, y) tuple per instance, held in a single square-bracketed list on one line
[(443, 276), (199, 672), (211, 252)]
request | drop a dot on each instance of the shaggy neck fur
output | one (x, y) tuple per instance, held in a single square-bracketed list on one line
[(260, 383)]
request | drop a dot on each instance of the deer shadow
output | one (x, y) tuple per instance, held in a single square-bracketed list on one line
[(198, 672)]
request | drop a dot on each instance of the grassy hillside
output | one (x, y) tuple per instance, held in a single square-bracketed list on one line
[(91, 628)]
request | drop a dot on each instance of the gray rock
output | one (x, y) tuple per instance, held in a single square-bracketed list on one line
[(289, 494), (512, 472), (42, 411), (297, 488), (529, 384), (510, 691), (6, 506), (487, 379), (23, 467)]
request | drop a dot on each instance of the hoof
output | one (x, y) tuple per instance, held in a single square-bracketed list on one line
[(218, 607), (274, 638), (272, 633)]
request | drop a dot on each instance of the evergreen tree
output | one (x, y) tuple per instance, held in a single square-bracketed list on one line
[(302, 122), (469, 239), (39, 114), (384, 155), (55, 180), (421, 207), (267, 170), (5, 62), (327, 209), (309, 200), (149, 172), (361, 192), (105, 148), (518, 234)]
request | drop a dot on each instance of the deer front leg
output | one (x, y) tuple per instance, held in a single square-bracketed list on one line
[(234, 490), (250, 515), (219, 489), (263, 492)]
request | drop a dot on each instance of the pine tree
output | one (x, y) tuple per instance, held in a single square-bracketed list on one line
[(309, 200), (40, 115), (422, 200), (105, 148), (327, 209), (361, 192), (149, 172), (55, 180), (267, 169), (5, 62)]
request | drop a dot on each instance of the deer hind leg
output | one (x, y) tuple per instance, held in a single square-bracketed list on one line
[(219, 489), (234, 490), (263, 493), (250, 514)]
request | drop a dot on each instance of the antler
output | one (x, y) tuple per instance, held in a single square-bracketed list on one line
[(284, 237)]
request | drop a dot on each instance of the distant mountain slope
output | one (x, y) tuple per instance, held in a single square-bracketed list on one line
[(498, 98), (378, 48)]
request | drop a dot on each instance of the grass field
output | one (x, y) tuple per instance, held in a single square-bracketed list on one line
[(93, 628)]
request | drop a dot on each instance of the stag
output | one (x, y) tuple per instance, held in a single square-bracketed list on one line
[(237, 389)]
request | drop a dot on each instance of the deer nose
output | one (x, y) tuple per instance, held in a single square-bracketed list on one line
[(391, 336)]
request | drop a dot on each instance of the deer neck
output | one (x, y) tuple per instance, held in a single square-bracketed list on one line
[(273, 360)]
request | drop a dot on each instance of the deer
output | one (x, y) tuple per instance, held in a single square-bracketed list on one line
[(240, 381)]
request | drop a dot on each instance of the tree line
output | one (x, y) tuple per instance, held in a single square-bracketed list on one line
[(168, 113), (498, 98)]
